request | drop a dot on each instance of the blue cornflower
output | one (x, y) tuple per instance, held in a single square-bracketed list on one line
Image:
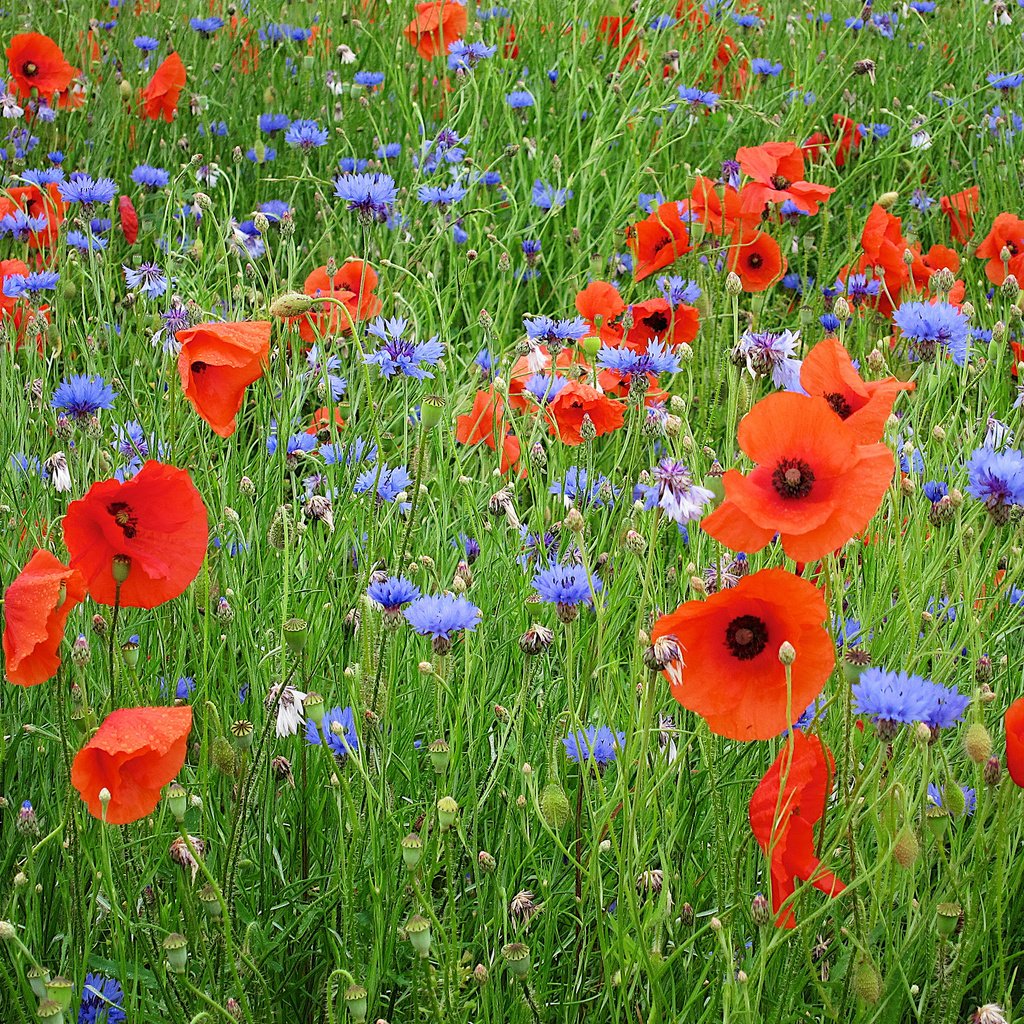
[(934, 490), (859, 289), (439, 616), (544, 330), (921, 201), (370, 195), (694, 98), (678, 290), (829, 323), (80, 396), (101, 1001), (681, 499), (486, 363), (537, 547), (661, 22), (768, 352), (320, 368), (892, 698), (16, 285), (656, 360), (390, 483), (150, 178), (746, 20), (849, 632), (441, 196), (297, 444), (463, 56), (351, 453), (927, 324), (546, 197), (183, 688), (566, 586), (337, 731), (19, 225), (206, 26), (520, 99), (147, 278), (399, 355), (78, 240), (997, 479), (935, 797), (81, 188), (389, 151), (944, 706), (306, 135), (264, 156), (131, 441), (544, 387), (1015, 595), (147, 44), (599, 745), (369, 79), (761, 66), (1005, 83), (392, 592), (577, 489), (271, 123)]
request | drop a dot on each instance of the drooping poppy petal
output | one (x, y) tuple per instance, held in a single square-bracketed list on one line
[(729, 672), (160, 97), (37, 62), (134, 754), (485, 424), (217, 362), (437, 24), (129, 219), (960, 209), (1013, 722), (156, 520), (36, 608)]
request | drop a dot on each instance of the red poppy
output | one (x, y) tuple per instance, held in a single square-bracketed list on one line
[(600, 304), (659, 240), (156, 521), (217, 362), (656, 318), (960, 209), (485, 424), (841, 148), (576, 400), (133, 755), (538, 361), (437, 24), (729, 671), (36, 607), (34, 202), (719, 207), (815, 484), (321, 421), (1013, 722), (353, 285), (160, 97), (36, 62), (938, 257), (129, 219), (757, 259), (788, 802), (1007, 233), (776, 170), (829, 373)]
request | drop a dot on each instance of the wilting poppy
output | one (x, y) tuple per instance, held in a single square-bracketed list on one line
[(129, 219), (437, 23), (160, 97), (134, 754), (828, 372), (658, 240), (353, 285), (960, 209), (729, 672), (485, 424), (217, 362), (1007, 233), (815, 484), (154, 524), (757, 259), (36, 608), (776, 170), (1013, 722), (577, 400), (788, 802), (37, 62)]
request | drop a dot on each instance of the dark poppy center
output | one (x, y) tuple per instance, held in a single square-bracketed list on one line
[(30, 69), (755, 260), (746, 637), (1012, 246), (839, 404), (779, 182), (199, 367), (124, 517), (656, 322), (793, 478)]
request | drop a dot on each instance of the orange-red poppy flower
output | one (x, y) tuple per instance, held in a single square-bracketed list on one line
[(160, 97), (788, 802), (34, 202), (353, 285), (938, 257), (538, 361), (757, 259), (659, 240), (577, 400), (815, 484), (960, 209), (1014, 725), (129, 219), (600, 304), (1006, 233), (485, 424), (217, 362), (841, 148), (719, 207), (321, 421), (36, 608), (776, 170), (729, 672), (656, 318), (134, 754), (154, 525), (828, 372), (437, 24), (36, 62)]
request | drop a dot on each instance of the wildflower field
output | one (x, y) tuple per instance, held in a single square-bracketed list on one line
[(512, 514)]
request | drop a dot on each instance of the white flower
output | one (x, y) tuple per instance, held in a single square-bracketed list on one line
[(289, 709), (57, 466), (11, 110)]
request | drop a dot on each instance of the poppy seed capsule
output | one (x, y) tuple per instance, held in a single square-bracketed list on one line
[(447, 810), (517, 956), (412, 850), (296, 632), (51, 1011), (418, 930), (314, 707), (177, 801), (176, 951), (440, 756), (356, 1002), (947, 917), (242, 732)]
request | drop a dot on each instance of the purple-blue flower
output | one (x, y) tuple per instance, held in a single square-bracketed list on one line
[(597, 744), (148, 278), (928, 324), (401, 355), (439, 616), (997, 480), (566, 586), (306, 135), (101, 1000), (337, 731), (81, 396), (369, 195)]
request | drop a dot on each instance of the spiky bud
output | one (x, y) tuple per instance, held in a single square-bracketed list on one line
[(554, 805), (978, 743), (906, 848), (867, 982)]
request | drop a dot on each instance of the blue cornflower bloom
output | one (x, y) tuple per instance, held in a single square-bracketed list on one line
[(463, 56), (150, 178), (681, 499), (131, 441), (32, 283), (43, 176), (566, 586), (761, 66), (599, 745), (441, 196), (544, 330), (520, 99), (78, 240), (746, 20), (20, 225), (1015, 595), (935, 797), (694, 98), (349, 454), (934, 490), (206, 26), (369, 79), (81, 188), (320, 368), (849, 632), (576, 488), (927, 325), (369, 195), (470, 547), (656, 360), (271, 123), (390, 483), (392, 592), (264, 156), (389, 150), (100, 225), (813, 712), (80, 396), (1005, 83), (678, 290), (768, 352), (297, 444), (997, 479), (101, 1001), (859, 289), (546, 197), (337, 731), (183, 688), (147, 278), (306, 135), (399, 355), (485, 361), (944, 706), (892, 698), (544, 387), (147, 44), (537, 547), (921, 201), (441, 615)]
